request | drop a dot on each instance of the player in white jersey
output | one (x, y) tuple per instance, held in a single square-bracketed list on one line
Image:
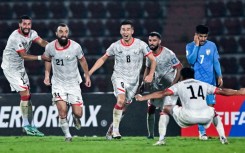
[(192, 94), (14, 54), (129, 53), (167, 73), (66, 79)]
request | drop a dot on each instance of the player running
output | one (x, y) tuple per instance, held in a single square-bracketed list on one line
[(129, 53), (14, 54), (66, 79)]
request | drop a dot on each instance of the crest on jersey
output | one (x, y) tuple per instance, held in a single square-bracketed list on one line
[(174, 61), (208, 51)]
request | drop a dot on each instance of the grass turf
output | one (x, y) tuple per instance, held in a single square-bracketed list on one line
[(56, 144)]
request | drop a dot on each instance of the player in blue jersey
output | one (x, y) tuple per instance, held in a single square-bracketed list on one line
[(203, 56)]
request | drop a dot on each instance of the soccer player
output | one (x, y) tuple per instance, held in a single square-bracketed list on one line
[(167, 73), (14, 54), (192, 94), (65, 55), (203, 56), (129, 53)]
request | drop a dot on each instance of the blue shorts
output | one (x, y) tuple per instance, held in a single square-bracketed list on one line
[(210, 99)]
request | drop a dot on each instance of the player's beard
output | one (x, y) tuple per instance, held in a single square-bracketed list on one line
[(153, 48), (62, 41), (24, 32)]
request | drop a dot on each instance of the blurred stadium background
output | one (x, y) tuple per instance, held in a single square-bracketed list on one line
[(95, 25)]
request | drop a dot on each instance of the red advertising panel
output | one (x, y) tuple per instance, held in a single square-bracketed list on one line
[(232, 111)]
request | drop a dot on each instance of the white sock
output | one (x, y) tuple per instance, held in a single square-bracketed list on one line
[(219, 126), (117, 114), (65, 127), (162, 126), (24, 111), (150, 124)]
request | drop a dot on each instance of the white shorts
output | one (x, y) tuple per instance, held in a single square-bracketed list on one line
[(168, 100), (185, 118), (71, 94), (122, 87), (18, 80)]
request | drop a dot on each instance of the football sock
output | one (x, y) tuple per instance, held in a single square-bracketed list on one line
[(201, 129), (30, 113), (219, 125), (162, 126), (24, 111), (117, 114), (150, 124), (65, 127)]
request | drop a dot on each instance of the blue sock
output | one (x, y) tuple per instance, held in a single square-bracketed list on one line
[(201, 129)]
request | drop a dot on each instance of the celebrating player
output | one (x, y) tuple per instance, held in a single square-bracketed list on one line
[(193, 94), (66, 79), (14, 54), (167, 73), (129, 53)]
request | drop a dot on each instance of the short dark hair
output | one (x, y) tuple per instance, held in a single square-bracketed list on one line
[(62, 25), (130, 22), (154, 33), (24, 17), (201, 29), (187, 73)]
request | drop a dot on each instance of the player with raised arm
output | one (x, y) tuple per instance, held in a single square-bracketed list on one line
[(167, 73), (203, 56), (129, 53), (14, 54), (65, 55), (193, 94)]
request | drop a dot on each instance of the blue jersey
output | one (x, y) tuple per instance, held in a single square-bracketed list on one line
[(205, 61)]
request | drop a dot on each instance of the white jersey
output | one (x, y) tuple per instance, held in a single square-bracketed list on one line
[(65, 62), (165, 70), (128, 59), (192, 94), (17, 43)]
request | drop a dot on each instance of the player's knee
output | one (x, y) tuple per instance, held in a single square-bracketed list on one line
[(78, 114), (120, 102)]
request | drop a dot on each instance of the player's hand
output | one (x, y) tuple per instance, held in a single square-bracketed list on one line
[(148, 78), (139, 97), (196, 40), (220, 82), (46, 81), (241, 91), (88, 81), (142, 87), (44, 58)]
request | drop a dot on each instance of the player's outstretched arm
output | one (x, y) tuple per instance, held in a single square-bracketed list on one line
[(29, 57), (98, 64), (154, 95), (84, 64), (41, 42), (230, 92)]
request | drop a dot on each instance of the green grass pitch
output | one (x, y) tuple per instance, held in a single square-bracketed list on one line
[(56, 144)]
